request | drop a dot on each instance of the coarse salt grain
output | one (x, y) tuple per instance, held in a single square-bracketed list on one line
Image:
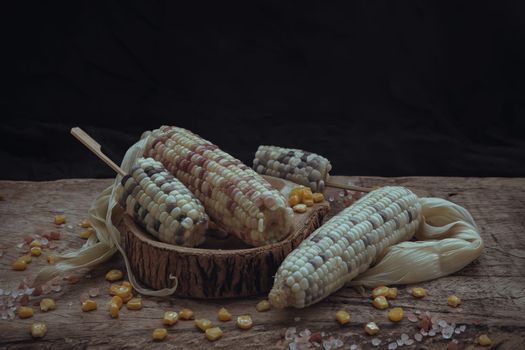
[(418, 337), (376, 342)]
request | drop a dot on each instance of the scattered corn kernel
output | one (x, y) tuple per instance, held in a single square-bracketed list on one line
[(371, 328), (113, 289), (307, 194), (263, 305), (186, 314), (244, 322), (126, 299), (60, 219), (298, 191), (89, 305), (294, 200), (342, 317), (25, 312), (38, 330), (47, 304), (51, 259), (35, 243), (418, 292), (380, 302), (453, 301), (484, 340), (85, 223), (224, 315), (122, 291), (170, 318), (86, 233), (308, 202), (203, 324), (27, 258), (299, 208), (114, 275), (134, 304), (19, 265), (114, 306), (36, 251), (127, 284), (395, 314), (213, 333), (318, 197), (379, 291), (159, 334), (392, 293)]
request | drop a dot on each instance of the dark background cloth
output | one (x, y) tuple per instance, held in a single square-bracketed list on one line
[(387, 88)]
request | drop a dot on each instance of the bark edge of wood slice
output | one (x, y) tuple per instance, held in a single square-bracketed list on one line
[(212, 273)]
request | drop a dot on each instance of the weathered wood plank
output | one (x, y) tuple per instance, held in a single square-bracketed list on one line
[(492, 288)]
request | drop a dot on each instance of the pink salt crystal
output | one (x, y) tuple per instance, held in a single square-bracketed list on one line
[(424, 324), (37, 291), (94, 292), (72, 279), (452, 346), (28, 239)]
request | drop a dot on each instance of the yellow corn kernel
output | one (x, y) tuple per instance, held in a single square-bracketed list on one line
[(35, 243), (308, 202), (418, 292), (318, 197), (371, 328), (47, 304), (36, 251), (379, 291), (263, 305), (380, 302), (224, 315), (117, 300), (453, 301), (114, 275), (122, 291), (297, 191), (342, 317), (85, 223), (299, 208), (392, 293), (307, 194), (213, 333), (60, 219), (19, 265), (125, 299), (27, 258), (134, 304), (86, 233), (51, 258), (395, 314), (25, 312), (89, 305), (203, 324), (113, 289), (186, 314), (484, 340), (127, 284), (170, 318), (294, 200), (159, 334), (244, 322), (113, 309), (38, 330)]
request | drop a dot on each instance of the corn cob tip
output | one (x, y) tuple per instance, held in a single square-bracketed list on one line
[(278, 297)]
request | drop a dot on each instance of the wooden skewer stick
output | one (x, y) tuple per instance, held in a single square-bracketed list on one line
[(94, 147), (348, 187)]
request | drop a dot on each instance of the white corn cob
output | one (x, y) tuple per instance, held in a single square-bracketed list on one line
[(236, 197), (347, 245), (162, 204), (305, 168)]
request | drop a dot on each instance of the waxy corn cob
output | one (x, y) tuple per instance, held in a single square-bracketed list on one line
[(235, 196), (305, 168), (345, 246), (162, 204)]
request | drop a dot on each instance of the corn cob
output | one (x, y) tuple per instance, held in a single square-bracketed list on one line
[(162, 205), (347, 245), (305, 168), (236, 197)]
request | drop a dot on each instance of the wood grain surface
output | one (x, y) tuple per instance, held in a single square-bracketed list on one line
[(492, 288)]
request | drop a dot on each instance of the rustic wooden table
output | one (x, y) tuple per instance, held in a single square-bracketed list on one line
[(492, 288)]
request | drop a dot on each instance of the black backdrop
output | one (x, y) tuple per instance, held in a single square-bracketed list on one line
[(379, 87)]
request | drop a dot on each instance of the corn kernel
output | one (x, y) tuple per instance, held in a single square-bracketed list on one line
[(203, 324), (392, 293), (380, 303), (307, 195), (484, 340), (38, 330), (418, 292), (114, 310), (125, 299), (89, 305), (224, 315), (127, 284), (299, 208), (342, 317), (134, 304), (395, 314), (36, 251), (371, 328), (297, 191), (60, 219), (35, 243), (213, 333), (122, 291), (51, 258), (86, 233), (318, 197), (117, 300), (85, 223), (47, 304), (294, 200), (159, 334), (19, 265), (308, 202), (263, 305), (114, 275), (453, 301), (186, 314), (170, 318), (27, 258), (25, 312), (244, 322), (379, 291), (113, 289)]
